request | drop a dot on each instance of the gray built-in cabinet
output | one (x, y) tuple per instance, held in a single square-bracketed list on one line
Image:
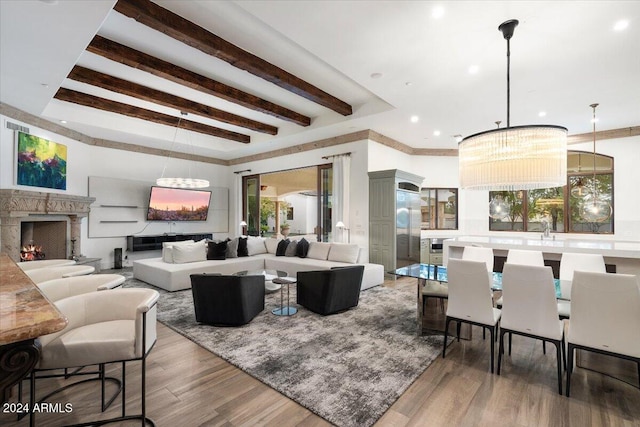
[(394, 218)]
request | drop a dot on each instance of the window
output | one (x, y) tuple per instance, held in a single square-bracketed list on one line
[(439, 208), (569, 208)]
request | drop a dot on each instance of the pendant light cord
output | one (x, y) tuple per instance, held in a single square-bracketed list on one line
[(173, 143), (508, 82), (507, 28), (595, 188)]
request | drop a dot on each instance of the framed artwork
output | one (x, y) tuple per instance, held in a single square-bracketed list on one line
[(41, 163), (289, 214)]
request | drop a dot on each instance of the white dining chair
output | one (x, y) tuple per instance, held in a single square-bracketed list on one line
[(477, 253), (440, 291), (470, 299), (569, 263), (605, 317), (530, 309), (523, 257), (480, 253)]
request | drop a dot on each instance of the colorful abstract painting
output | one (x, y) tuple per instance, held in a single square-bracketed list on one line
[(41, 163)]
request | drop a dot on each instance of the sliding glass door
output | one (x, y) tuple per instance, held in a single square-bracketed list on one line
[(251, 204), (325, 183), (295, 202)]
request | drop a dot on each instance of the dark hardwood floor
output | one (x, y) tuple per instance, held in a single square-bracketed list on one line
[(189, 386)]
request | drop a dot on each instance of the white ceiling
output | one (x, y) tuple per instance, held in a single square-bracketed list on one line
[(565, 55)]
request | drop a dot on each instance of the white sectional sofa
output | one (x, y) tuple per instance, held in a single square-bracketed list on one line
[(175, 276)]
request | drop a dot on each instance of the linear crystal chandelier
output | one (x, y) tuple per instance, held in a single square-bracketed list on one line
[(515, 157), (179, 182)]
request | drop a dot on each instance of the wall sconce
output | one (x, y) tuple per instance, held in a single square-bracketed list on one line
[(340, 224)]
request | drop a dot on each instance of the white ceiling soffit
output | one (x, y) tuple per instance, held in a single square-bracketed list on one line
[(565, 55)]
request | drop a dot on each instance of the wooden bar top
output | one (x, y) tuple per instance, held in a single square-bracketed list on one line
[(25, 313)]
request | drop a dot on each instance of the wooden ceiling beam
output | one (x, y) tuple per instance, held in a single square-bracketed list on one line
[(135, 90), (86, 100), (141, 61), (167, 22)]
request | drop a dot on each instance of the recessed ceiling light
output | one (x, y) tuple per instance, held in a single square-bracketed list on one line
[(408, 84), (437, 12), (621, 25), (63, 121), (542, 113), (474, 69), (458, 137), (44, 85), (376, 75), (596, 120), (436, 133), (414, 119)]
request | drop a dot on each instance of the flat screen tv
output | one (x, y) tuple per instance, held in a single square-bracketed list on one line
[(177, 204)]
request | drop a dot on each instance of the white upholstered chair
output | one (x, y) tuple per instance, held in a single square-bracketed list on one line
[(530, 309), (104, 327), (605, 317), (470, 299), (45, 263), (65, 287), (433, 289), (477, 253), (569, 263), (522, 257), (43, 274)]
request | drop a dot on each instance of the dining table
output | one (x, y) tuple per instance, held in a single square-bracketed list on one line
[(438, 273)]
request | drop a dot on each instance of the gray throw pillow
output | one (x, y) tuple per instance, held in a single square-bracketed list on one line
[(232, 248), (291, 248)]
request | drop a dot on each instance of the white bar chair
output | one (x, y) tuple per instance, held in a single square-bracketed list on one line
[(104, 327), (43, 274), (44, 263), (66, 287)]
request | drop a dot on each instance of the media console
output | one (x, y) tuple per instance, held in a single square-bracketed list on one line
[(154, 242)]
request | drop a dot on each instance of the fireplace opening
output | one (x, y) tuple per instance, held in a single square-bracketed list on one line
[(43, 240)]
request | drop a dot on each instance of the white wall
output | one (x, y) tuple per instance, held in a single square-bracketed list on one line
[(85, 160)]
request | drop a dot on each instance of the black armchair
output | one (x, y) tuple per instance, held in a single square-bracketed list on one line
[(330, 291), (227, 300)]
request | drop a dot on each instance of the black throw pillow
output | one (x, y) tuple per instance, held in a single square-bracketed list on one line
[(242, 247), (217, 250), (302, 248), (282, 247)]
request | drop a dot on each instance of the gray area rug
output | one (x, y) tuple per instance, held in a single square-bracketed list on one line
[(348, 368)]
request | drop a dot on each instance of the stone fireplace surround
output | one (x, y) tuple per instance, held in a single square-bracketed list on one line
[(17, 205)]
